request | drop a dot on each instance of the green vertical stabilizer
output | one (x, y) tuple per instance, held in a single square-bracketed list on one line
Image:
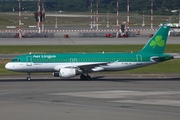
[(157, 43)]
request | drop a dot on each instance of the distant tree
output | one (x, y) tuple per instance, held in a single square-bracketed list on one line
[(160, 6)]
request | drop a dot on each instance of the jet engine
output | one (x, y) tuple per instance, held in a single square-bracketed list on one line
[(67, 73)]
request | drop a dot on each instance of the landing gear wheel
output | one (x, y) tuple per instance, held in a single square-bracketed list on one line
[(28, 78), (85, 77), (82, 77), (88, 77)]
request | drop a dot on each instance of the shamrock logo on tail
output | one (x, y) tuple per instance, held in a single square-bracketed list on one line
[(157, 42)]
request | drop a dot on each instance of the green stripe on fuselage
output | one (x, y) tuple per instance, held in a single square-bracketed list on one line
[(85, 57)]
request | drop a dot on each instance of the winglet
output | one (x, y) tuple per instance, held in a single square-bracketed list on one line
[(157, 43)]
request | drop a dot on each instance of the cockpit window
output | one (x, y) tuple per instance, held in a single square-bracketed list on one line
[(16, 60)]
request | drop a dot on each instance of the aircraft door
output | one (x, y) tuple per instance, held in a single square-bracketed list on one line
[(139, 59), (29, 61), (73, 60)]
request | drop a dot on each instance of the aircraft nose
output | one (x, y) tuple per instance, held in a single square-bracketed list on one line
[(9, 66)]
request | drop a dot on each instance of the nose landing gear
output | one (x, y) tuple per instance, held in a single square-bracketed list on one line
[(29, 77)]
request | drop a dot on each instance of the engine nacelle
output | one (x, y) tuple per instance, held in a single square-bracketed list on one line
[(66, 73)]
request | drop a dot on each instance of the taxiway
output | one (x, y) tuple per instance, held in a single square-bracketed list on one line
[(104, 98)]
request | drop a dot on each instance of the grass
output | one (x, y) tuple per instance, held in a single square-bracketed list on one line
[(66, 48), (2, 68), (5, 49), (11, 19), (172, 66)]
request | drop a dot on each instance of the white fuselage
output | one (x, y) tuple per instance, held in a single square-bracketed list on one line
[(53, 67)]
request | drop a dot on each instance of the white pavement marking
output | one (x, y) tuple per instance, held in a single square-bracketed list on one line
[(117, 94), (137, 97), (152, 102), (6, 93)]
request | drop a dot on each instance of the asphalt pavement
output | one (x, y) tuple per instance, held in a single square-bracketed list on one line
[(103, 98)]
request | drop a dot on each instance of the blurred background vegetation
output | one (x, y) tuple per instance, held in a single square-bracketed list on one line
[(162, 7)]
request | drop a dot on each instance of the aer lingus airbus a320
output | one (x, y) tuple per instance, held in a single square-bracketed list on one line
[(70, 65)]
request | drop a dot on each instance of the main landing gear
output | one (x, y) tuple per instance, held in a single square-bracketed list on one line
[(85, 77), (29, 77)]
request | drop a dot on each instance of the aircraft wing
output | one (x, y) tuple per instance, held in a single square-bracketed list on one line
[(92, 65), (85, 67)]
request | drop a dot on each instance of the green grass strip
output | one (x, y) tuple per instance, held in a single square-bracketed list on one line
[(78, 48)]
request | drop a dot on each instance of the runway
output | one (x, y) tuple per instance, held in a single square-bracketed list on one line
[(106, 97)]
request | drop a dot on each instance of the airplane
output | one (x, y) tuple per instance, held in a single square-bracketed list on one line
[(72, 64)]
